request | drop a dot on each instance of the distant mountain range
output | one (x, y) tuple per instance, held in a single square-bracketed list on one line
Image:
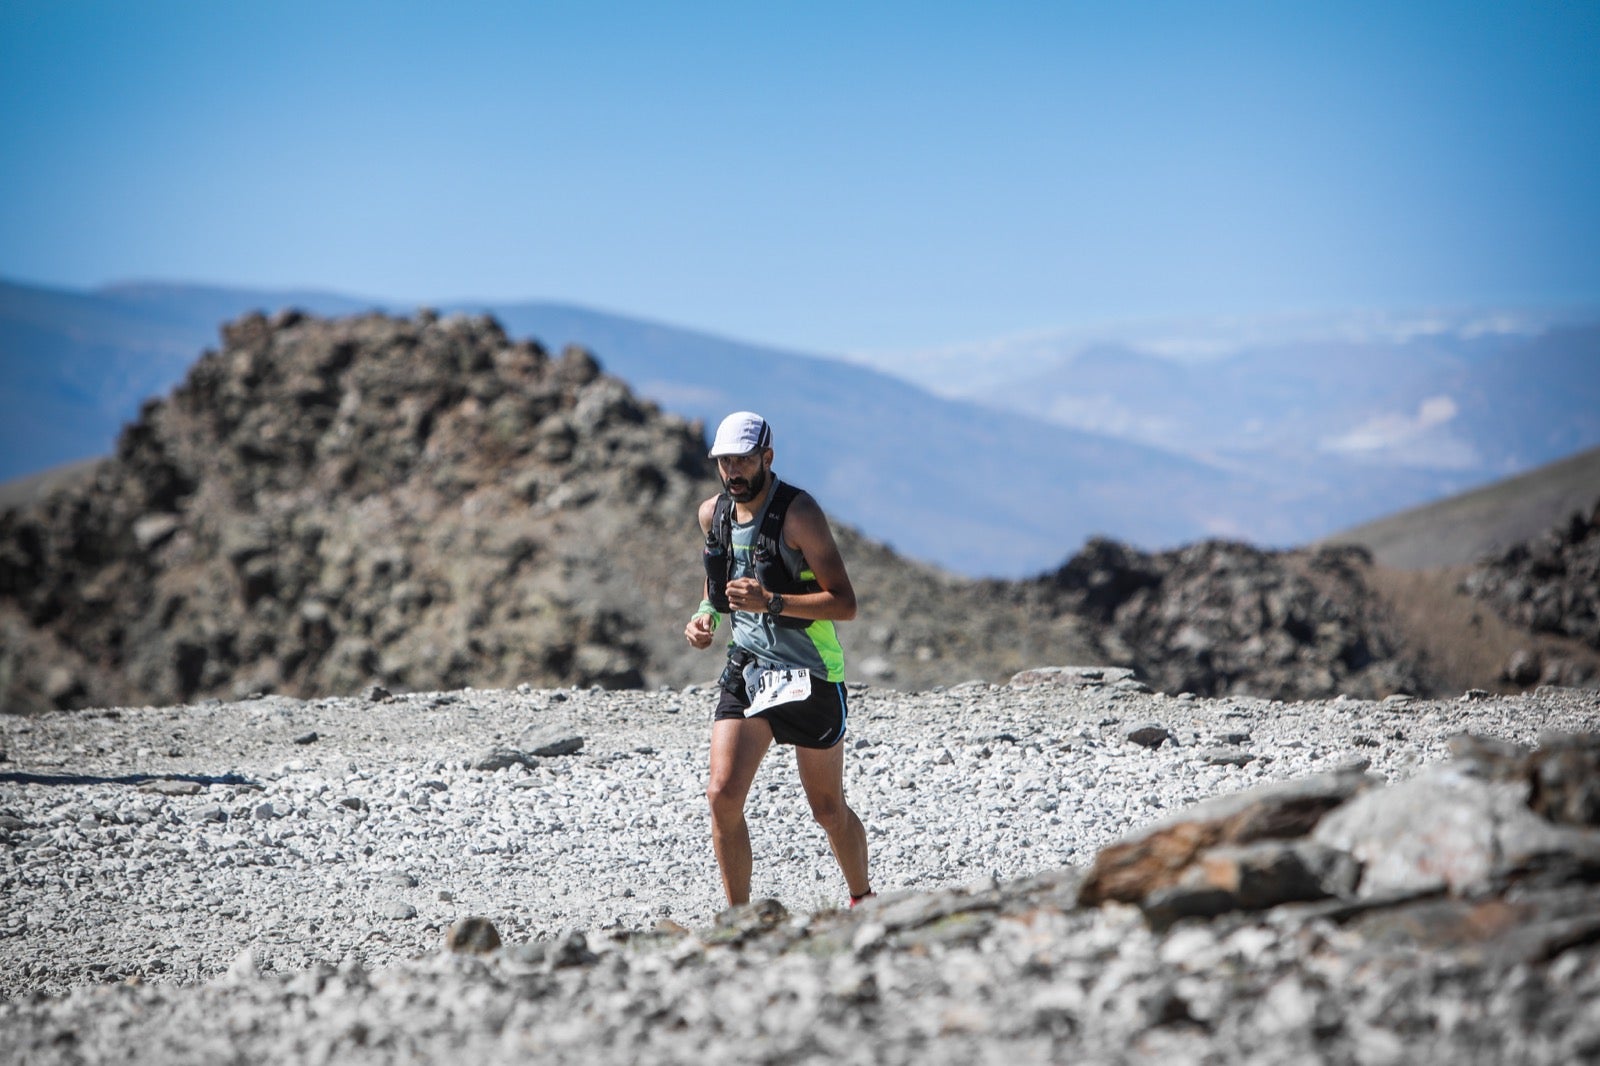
[(1365, 413), (1276, 445)]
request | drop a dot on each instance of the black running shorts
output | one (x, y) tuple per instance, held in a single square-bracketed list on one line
[(818, 721)]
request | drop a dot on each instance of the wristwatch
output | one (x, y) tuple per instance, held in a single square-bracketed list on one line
[(775, 603)]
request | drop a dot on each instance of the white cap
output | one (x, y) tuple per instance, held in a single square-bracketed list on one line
[(741, 433)]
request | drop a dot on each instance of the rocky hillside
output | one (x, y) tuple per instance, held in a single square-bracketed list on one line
[(1462, 529), (325, 504), (427, 504), (1548, 585), (1219, 617)]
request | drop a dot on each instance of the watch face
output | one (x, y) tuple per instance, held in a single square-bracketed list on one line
[(775, 605)]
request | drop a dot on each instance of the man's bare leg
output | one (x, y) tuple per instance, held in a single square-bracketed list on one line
[(822, 776), (737, 747)]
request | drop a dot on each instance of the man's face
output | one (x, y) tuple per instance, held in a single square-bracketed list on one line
[(744, 476)]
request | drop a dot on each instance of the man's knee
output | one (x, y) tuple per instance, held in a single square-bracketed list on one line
[(727, 805), (830, 813)]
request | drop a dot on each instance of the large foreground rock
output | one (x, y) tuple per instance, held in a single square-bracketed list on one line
[(1467, 829), (1157, 858)]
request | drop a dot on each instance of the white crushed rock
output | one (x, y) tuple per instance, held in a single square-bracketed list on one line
[(357, 849)]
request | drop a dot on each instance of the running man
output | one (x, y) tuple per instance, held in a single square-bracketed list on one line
[(773, 567)]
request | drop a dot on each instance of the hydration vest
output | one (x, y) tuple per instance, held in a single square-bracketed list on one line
[(770, 568)]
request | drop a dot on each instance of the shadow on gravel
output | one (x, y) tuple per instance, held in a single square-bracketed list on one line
[(125, 779)]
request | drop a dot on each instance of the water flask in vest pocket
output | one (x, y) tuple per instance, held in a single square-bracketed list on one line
[(716, 560)]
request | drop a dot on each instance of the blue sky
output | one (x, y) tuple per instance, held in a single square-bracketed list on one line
[(832, 177)]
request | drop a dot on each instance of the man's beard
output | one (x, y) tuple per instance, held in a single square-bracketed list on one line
[(752, 489)]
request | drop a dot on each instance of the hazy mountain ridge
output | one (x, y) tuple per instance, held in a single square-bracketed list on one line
[(1483, 406), (77, 365), (973, 367), (1342, 419), (1471, 527), (967, 487), (975, 488)]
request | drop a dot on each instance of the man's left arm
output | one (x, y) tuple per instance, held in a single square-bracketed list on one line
[(806, 528)]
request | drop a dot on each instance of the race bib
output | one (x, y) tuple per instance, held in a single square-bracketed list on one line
[(779, 686)]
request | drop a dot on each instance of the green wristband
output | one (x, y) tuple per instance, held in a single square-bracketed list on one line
[(707, 609)]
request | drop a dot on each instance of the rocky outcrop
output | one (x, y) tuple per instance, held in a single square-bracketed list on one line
[(1221, 618), (388, 504), (324, 504), (1547, 586)]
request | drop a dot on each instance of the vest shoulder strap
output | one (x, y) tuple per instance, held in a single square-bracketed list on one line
[(722, 522), (777, 510), (771, 521)]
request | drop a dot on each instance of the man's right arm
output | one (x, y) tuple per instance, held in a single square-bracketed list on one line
[(703, 623)]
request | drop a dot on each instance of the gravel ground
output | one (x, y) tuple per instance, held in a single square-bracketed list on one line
[(104, 881), (350, 833)]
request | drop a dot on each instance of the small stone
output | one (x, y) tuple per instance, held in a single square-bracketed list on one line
[(1524, 667), (550, 741), (571, 950), (166, 786), (472, 936), (499, 758), (1149, 735), (244, 967), (1076, 676), (400, 912), (306, 738), (376, 694), (1226, 757), (266, 812), (353, 971), (758, 914), (1565, 773)]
